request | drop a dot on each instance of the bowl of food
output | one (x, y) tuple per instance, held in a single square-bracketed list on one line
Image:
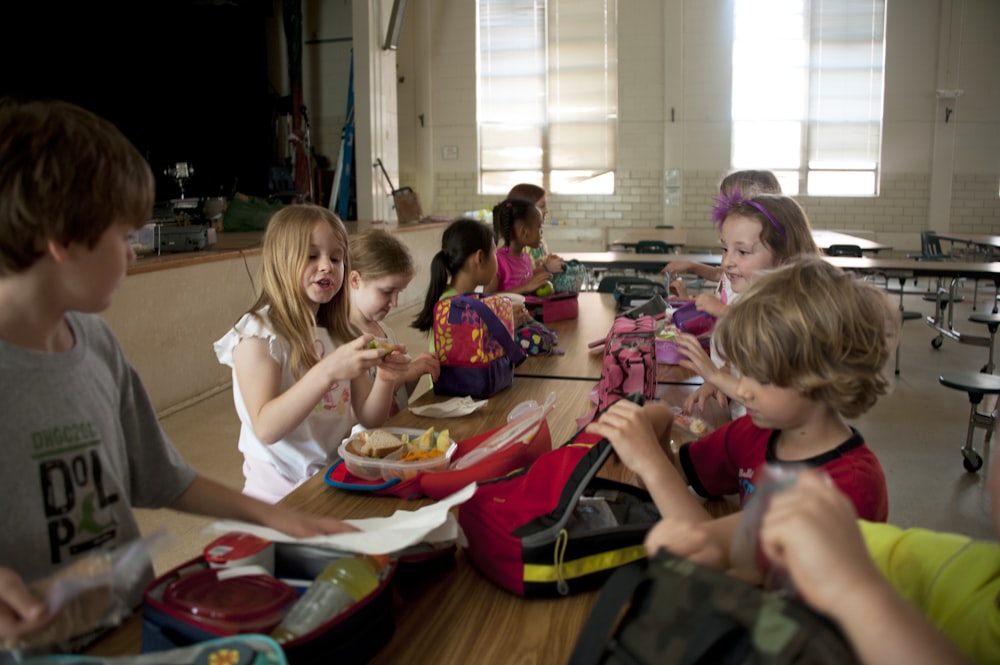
[(396, 452)]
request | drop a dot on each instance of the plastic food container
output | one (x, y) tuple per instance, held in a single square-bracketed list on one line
[(667, 352), (691, 320), (240, 549), (229, 601), (389, 467)]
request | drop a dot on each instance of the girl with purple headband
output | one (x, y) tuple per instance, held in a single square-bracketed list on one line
[(750, 183), (756, 234)]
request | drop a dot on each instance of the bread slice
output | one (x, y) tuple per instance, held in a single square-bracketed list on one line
[(379, 443)]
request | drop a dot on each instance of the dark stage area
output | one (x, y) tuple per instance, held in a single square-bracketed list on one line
[(186, 81)]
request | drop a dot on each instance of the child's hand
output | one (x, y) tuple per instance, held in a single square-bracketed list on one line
[(676, 268), (554, 263), (630, 432), (710, 303), (425, 363), (21, 613), (694, 356), (811, 529), (304, 525), (520, 315), (688, 540), (678, 288), (395, 367), (537, 281), (350, 360), (700, 397)]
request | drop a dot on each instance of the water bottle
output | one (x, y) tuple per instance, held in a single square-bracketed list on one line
[(342, 583)]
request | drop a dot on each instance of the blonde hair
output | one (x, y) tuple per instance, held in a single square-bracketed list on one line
[(283, 262), (378, 254), (65, 175), (750, 183), (811, 326)]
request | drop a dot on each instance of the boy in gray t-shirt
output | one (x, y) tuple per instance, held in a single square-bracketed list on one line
[(81, 443)]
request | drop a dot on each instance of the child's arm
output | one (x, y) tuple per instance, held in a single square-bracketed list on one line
[(425, 363), (553, 263), (702, 270), (706, 543), (273, 413), (811, 529), (532, 285), (635, 433), (372, 399), (207, 497), (709, 302), (21, 613)]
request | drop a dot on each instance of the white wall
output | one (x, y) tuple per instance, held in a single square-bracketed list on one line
[(675, 56)]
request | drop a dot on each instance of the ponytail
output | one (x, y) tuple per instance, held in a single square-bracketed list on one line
[(461, 240)]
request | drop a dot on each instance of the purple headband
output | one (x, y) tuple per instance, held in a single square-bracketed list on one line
[(723, 204)]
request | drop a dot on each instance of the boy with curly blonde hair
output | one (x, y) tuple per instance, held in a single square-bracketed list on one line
[(811, 343)]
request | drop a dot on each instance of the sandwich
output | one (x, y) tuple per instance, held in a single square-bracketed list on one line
[(375, 443)]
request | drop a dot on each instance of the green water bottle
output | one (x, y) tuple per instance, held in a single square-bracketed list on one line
[(341, 584)]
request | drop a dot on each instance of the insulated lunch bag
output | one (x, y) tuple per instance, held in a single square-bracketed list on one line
[(557, 528), (195, 603), (571, 279), (474, 341)]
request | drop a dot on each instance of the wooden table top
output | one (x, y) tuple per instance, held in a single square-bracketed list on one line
[(579, 360), (445, 611), (449, 613)]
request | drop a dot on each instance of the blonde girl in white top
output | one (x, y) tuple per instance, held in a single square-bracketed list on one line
[(300, 373)]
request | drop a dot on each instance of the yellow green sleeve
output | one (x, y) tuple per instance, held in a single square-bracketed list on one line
[(954, 580)]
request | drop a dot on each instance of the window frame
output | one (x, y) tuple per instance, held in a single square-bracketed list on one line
[(578, 165), (808, 176)]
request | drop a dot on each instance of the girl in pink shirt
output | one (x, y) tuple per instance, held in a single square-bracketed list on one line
[(519, 224)]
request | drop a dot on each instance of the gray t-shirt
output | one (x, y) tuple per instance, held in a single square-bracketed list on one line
[(81, 445)]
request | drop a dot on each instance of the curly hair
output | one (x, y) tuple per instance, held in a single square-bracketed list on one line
[(811, 326)]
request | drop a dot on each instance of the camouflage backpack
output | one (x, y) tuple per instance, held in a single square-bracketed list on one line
[(677, 612)]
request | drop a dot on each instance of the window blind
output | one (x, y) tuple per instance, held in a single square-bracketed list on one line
[(808, 92), (548, 94)]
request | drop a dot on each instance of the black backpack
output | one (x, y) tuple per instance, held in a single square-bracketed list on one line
[(680, 613)]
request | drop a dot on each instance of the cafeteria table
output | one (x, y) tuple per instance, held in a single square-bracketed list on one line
[(630, 239), (446, 612), (581, 361)]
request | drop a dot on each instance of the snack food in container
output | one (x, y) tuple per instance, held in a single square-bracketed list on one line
[(391, 466)]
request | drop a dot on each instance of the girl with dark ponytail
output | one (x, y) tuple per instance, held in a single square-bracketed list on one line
[(468, 259)]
